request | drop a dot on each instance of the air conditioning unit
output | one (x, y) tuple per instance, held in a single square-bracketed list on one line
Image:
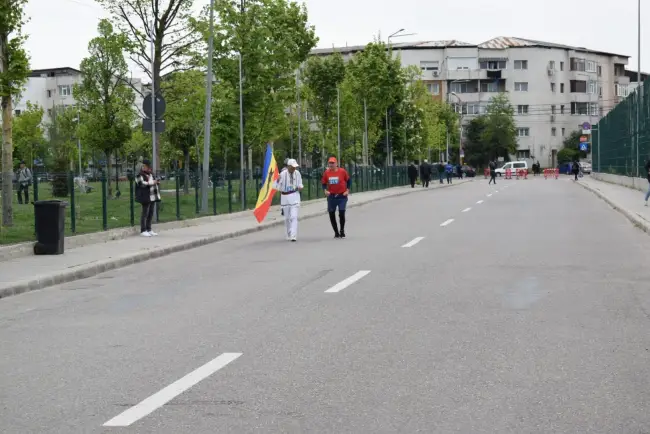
[(552, 118), (551, 72), (435, 73)]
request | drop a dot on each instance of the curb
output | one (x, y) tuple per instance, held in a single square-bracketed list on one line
[(135, 258), (635, 219)]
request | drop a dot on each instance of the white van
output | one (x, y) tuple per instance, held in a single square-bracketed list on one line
[(513, 166)]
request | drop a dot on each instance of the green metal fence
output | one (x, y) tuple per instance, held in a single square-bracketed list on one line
[(621, 145), (97, 205)]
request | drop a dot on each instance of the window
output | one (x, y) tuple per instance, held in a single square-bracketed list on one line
[(554, 131), (578, 86), (522, 109), (562, 109), (593, 109), (592, 87), (577, 64), (433, 88), (561, 87), (490, 86), (600, 71), (49, 94), (461, 68), (563, 131), (600, 90), (622, 90), (492, 64), (579, 108), (458, 88), (426, 65), (65, 90), (521, 64), (522, 153), (521, 86), (553, 109), (591, 66), (561, 66), (551, 65), (475, 109), (523, 132), (49, 112), (552, 87), (16, 112), (460, 108)]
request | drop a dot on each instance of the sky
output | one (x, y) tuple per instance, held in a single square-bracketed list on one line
[(59, 30)]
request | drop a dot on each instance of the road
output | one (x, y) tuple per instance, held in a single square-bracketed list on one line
[(521, 307)]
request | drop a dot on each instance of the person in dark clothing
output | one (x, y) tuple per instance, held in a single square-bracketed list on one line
[(413, 174), (425, 173), (647, 171), (576, 169), (441, 172), (147, 194), (459, 171), (493, 173), (449, 169)]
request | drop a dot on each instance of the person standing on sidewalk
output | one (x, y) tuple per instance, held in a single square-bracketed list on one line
[(24, 181), (147, 193), (576, 170), (336, 184), (450, 172), (493, 173), (289, 184), (425, 173), (413, 173), (441, 172)]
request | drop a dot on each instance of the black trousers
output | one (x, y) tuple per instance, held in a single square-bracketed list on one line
[(412, 182), (425, 182), (21, 188), (493, 178), (449, 176), (147, 216)]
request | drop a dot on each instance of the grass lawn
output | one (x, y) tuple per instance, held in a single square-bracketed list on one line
[(89, 215)]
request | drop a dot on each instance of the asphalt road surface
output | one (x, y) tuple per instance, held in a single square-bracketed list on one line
[(516, 308)]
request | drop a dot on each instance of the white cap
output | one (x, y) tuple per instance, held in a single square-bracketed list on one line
[(292, 162)]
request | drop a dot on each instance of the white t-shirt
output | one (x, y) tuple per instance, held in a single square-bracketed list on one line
[(288, 182)]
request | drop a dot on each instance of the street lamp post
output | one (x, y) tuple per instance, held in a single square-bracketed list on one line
[(639, 90), (242, 178), (338, 121), (205, 176)]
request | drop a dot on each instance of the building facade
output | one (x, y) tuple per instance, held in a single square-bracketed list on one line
[(553, 88)]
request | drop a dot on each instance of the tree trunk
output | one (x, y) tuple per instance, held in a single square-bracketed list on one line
[(108, 175), (7, 159), (186, 163)]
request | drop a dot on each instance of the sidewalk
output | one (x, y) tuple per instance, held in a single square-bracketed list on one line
[(30, 273), (627, 201)]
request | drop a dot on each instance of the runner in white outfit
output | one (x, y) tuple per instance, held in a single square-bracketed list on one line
[(289, 184)]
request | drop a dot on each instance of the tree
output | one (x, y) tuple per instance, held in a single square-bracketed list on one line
[(14, 70), (61, 131), (500, 134), (571, 150), (476, 153), (323, 77), (105, 95), (28, 134), (174, 36), (274, 38)]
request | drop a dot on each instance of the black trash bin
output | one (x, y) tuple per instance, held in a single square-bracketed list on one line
[(50, 227)]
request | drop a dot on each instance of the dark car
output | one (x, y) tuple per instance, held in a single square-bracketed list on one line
[(468, 172)]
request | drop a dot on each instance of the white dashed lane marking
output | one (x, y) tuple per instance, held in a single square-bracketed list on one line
[(413, 242), (445, 223), (466, 209), (349, 281)]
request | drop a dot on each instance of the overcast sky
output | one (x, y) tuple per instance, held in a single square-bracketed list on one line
[(59, 30)]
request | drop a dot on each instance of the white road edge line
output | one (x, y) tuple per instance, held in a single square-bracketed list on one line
[(479, 202), (445, 223), (413, 242), (466, 209), (165, 395), (489, 195), (349, 281)]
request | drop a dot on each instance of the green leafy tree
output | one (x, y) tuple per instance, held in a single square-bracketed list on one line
[(105, 96), (61, 131), (14, 70), (500, 134), (274, 38), (323, 77), (476, 153), (28, 134), (571, 150)]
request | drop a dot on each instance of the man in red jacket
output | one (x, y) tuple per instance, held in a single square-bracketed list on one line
[(336, 184)]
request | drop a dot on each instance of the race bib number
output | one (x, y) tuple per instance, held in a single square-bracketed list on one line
[(333, 180)]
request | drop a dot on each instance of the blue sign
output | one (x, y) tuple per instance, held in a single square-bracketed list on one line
[(584, 147)]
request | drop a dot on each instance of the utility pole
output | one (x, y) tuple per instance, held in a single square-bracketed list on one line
[(78, 143), (365, 133), (205, 175), (639, 92), (338, 121), (153, 113), (299, 118), (242, 178)]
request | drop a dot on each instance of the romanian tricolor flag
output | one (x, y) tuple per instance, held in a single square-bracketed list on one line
[(270, 174)]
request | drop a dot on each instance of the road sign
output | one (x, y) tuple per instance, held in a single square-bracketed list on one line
[(161, 106), (586, 126), (584, 147), (583, 139), (588, 132), (146, 125)]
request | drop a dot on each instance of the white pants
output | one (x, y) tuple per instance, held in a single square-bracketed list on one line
[(291, 220)]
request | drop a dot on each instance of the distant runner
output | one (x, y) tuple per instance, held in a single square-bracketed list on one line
[(336, 184)]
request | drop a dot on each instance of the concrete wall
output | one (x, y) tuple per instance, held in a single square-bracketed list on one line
[(640, 184)]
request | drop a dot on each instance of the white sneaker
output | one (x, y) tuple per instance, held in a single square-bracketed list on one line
[(145, 234), (153, 234)]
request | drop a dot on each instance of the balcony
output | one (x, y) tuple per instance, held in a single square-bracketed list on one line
[(622, 80), (466, 74)]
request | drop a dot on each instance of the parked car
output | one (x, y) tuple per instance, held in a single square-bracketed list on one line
[(513, 166), (469, 172), (585, 167)]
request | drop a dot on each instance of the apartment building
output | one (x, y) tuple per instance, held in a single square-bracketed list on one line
[(553, 88)]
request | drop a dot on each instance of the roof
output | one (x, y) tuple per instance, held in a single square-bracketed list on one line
[(420, 45), (498, 43), (503, 42), (55, 71)]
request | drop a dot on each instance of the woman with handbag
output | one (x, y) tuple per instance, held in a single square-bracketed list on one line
[(147, 193)]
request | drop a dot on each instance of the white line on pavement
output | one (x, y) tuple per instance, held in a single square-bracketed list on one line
[(445, 223), (165, 395), (496, 191), (466, 209), (489, 195), (413, 242), (349, 281), (480, 202)]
